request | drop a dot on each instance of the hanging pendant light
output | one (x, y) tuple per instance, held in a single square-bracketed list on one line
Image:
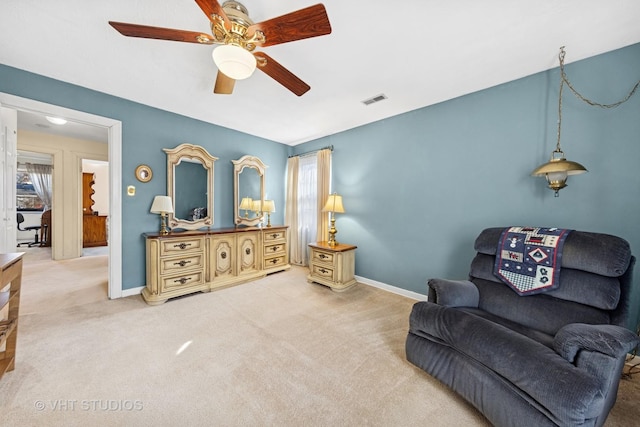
[(558, 168)]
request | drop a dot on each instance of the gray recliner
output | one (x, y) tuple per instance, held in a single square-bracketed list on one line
[(554, 358)]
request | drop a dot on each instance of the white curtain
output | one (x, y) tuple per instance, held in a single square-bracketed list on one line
[(302, 206), (41, 178), (291, 212), (308, 180)]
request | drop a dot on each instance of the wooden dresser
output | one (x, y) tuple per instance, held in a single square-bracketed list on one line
[(181, 263), (94, 227), (10, 282), (332, 266)]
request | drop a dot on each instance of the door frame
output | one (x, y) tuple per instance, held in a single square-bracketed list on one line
[(114, 128)]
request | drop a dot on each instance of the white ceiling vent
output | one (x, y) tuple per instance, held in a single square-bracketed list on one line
[(375, 99)]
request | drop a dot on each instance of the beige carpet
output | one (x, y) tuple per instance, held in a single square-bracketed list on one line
[(276, 352)]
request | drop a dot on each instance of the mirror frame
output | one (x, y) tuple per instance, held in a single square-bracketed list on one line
[(238, 166), (174, 157)]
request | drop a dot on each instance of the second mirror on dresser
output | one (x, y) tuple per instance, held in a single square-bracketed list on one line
[(248, 190)]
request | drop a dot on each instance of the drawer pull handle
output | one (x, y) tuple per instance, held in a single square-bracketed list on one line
[(247, 251), (323, 271), (182, 245), (182, 280), (182, 263), (275, 248), (223, 255), (274, 235), (274, 261), (323, 256)]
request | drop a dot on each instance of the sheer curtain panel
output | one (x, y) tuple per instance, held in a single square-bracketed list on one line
[(42, 182)]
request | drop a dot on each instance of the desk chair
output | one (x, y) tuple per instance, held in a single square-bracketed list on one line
[(34, 228)]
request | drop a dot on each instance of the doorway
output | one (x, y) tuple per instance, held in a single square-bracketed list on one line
[(114, 140)]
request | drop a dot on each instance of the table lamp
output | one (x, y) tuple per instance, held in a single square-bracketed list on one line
[(162, 205), (333, 205)]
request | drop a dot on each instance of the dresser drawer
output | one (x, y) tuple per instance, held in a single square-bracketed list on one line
[(176, 265), (273, 236), (175, 246), (322, 257), (275, 262), (185, 280), (277, 249)]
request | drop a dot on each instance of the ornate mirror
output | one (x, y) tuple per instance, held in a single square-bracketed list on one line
[(190, 186), (248, 190)]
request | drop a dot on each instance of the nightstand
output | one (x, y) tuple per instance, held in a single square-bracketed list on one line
[(332, 266)]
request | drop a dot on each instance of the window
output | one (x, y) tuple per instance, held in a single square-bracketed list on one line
[(26, 197)]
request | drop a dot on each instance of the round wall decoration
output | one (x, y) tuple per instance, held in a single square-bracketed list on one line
[(144, 173)]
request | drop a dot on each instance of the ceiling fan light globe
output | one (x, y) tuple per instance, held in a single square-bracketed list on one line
[(234, 61)]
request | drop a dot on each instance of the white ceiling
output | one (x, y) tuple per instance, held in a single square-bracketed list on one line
[(38, 123), (416, 52)]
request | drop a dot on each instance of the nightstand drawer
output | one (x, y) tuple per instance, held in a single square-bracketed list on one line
[(323, 257), (322, 272), (182, 281), (175, 246), (175, 265)]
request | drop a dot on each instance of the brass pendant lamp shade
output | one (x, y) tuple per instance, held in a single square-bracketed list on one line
[(557, 169)]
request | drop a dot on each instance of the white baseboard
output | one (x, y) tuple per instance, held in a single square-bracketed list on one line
[(392, 289), (132, 291), (389, 288)]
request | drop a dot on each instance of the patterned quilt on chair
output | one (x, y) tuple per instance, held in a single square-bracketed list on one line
[(528, 258)]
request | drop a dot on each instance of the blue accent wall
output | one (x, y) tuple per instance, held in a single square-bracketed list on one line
[(145, 132), (419, 187)]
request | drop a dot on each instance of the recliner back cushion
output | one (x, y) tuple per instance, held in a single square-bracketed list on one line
[(540, 312), (575, 285), (597, 253), (589, 282)]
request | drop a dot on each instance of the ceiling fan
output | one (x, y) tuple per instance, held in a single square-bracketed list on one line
[(239, 36)]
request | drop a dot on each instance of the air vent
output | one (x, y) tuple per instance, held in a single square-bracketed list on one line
[(375, 99)]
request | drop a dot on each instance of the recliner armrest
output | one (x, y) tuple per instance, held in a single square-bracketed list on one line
[(453, 293), (611, 340)]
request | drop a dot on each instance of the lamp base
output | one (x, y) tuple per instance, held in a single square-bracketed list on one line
[(163, 224), (332, 233)]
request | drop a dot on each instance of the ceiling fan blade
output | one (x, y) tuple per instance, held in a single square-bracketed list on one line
[(212, 7), (309, 22), (144, 31), (280, 74), (224, 84)]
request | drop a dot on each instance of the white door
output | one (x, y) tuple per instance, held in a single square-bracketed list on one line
[(8, 165)]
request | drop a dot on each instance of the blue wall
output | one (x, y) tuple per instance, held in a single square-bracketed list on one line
[(420, 186), (417, 188), (145, 132)]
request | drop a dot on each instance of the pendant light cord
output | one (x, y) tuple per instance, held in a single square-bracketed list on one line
[(564, 79)]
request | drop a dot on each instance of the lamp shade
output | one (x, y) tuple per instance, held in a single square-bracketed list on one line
[(557, 169), (246, 203), (334, 204), (256, 205), (269, 206), (234, 61), (162, 204)]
